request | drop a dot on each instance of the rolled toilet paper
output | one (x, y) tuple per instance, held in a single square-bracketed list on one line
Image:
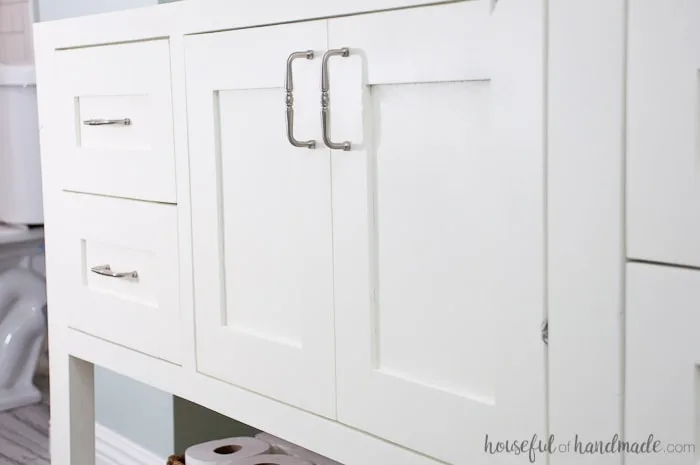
[(225, 451), (269, 459)]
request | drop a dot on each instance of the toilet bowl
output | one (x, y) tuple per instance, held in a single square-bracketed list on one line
[(22, 330), (22, 315)]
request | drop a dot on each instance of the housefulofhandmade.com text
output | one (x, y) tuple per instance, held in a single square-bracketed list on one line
[(535, 446)]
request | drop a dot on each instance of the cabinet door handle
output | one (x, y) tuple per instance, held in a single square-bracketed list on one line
[(326, 100), (106, 270), (289, 100), (105, 122)]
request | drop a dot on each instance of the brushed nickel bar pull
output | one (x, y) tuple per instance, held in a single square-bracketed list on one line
[(326, 100), (105, 122), (289, 100), (106, 270)]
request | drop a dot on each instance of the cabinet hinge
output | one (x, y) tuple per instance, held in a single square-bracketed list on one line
[(545, 331)]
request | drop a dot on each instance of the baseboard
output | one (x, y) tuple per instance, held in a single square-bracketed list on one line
[(114, 449)]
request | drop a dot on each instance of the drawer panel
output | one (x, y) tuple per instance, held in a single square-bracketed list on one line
[(121, 272), (662, 132), (116, 122), (661, 360)]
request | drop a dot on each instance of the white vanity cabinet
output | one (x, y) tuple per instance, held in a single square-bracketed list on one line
[(346, 201), (366, 278), (663, 107)]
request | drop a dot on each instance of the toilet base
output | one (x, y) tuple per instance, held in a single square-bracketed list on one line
[(19, 397)]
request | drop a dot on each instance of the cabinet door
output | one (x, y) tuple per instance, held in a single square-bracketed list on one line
[(663, 163), (662, 356), (261, 215), (437, 215)]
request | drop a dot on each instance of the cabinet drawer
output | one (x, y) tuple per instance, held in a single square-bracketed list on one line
[(121, 272), (661, 359), (116, 122), (663, 206)]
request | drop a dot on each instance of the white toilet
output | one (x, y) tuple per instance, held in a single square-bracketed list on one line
[(22, 283)]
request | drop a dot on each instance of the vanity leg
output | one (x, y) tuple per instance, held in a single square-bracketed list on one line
[(72, 411)]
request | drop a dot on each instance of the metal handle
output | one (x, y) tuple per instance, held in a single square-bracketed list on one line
[(326, 100), (105, 122), (106, 270), (289, 100)]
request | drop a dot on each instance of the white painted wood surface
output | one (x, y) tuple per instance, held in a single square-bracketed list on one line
[(329, 438), (661, 392), (267, 196), (261, 215), (585, 218), (180, 18), (663, 166), (142, 312), (116, 82), (419, 209), (72, 379)]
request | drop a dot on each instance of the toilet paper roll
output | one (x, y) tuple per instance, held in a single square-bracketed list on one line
[(225, 451), (269, 459)]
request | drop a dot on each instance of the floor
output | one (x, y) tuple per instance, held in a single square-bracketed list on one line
[(24, 432)]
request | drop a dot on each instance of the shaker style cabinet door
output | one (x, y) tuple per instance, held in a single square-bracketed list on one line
[(661, 363), (663, 134), (438, 225), (261, 214)]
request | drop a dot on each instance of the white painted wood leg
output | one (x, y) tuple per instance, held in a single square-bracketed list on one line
[(72, 411)]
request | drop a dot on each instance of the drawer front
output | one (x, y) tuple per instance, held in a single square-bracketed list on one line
[(116, 122), (663, 206), (121, 272), (661, 361)]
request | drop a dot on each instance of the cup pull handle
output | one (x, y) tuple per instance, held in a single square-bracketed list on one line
[(106, 122), (106, 270), (326, 100), (289, 100)]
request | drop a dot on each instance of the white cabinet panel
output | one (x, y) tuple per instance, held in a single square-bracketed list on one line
[(261, 215), (105, 236), (663, 161), (431, 216), (662, 356), (128, 86)]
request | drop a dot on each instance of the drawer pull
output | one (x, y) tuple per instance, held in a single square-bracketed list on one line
[(105, 122), (106, 270), (289, 100), (326, 100)]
